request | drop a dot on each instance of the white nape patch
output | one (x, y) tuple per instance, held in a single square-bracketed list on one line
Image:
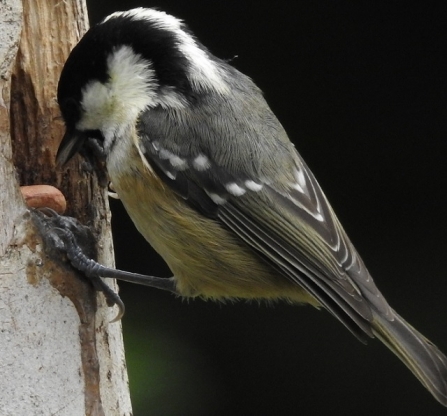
[(204, 73), (201, 163), (114, 105), (253, 186), (234, 189), (217, 199)]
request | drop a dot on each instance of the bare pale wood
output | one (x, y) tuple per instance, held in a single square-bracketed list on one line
[(59, 354)]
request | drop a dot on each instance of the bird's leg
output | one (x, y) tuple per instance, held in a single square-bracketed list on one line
[(76, 241)]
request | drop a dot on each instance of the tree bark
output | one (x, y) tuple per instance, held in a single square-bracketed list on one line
[(59, 353)]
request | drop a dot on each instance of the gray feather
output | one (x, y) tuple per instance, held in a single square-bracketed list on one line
[(296, 231)]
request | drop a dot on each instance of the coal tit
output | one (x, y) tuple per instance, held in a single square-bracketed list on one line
[(210, 179)]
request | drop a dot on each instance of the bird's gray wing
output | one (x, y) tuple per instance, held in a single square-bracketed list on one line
[(289, 224)]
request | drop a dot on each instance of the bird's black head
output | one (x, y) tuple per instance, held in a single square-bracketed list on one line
[(130, 61)]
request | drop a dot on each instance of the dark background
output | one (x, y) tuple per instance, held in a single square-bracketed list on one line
[(361, 89)]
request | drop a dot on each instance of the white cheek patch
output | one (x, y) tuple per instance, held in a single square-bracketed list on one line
[(132, 77), (116, 103), (96, 105)]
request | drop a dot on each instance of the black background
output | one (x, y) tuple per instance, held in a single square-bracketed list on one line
[(360, 87)]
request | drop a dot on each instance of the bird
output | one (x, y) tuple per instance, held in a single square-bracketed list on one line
[(212, 181)]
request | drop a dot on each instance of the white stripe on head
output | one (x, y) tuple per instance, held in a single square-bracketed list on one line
[(203, 74)]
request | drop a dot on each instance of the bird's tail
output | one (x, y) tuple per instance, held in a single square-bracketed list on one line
[(423, 358)]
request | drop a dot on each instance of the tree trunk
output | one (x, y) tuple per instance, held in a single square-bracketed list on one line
[(59, 353)]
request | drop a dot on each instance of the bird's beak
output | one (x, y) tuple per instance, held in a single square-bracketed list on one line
[(70, 145)]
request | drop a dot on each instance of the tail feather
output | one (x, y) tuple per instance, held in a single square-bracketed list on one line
[(422, 357)]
